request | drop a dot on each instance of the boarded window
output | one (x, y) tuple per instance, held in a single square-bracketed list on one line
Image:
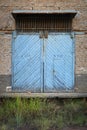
[(49, 22)]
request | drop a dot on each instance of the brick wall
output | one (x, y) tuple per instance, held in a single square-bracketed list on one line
[(81, 62), (7, 25), (6, 7), (5, 61)]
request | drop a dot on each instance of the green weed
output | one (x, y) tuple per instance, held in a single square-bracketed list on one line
[(42, 114), (3, 127), (43, 123)]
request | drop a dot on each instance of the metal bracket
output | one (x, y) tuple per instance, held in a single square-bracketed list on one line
[(72, 35), (43, 34), (14, 34), (46, 34)]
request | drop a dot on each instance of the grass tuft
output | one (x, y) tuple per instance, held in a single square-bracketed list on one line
[(42, 114)]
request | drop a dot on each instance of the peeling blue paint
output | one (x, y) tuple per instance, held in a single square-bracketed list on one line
[(43, 64)]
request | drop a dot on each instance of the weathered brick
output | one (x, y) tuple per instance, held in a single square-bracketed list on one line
[(7, 25), (81, 54), (5, 54), (6, 7)]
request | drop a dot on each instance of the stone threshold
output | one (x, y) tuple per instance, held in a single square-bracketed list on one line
[(42, 95)]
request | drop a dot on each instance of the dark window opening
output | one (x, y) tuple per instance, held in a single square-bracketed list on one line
[(48, 22)]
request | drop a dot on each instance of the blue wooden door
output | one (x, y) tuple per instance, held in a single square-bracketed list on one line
[(43, 64), (26, 63), (59, 63)]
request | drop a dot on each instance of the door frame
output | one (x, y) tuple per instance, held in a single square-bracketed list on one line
[(14, 35)]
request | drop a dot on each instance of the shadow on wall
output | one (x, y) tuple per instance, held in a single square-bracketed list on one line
[(81, 82), (5, 80)]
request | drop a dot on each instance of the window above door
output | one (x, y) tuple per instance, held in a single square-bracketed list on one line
[(35, 21)]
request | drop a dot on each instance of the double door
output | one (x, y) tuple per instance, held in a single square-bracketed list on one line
[(43, 63)]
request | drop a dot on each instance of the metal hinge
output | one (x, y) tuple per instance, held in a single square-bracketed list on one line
[(14, 34), (41, 34), (72, 35), (46, 34)]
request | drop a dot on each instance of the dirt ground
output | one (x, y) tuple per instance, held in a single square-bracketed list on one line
[(66, 128), (75, 128)]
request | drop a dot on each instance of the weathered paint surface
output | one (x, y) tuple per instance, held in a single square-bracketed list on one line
[(7, 25), (26, 62), (43, 64), (59, 63)]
